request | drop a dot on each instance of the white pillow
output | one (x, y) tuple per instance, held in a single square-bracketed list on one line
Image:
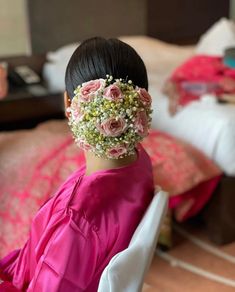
[(54, 75), (54, 68), (217, 38), (62, 54)]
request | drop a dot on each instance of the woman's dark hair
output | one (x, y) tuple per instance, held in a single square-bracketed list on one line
[(96, 57)]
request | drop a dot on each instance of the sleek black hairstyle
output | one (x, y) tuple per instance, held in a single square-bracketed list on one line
[(97, 57)]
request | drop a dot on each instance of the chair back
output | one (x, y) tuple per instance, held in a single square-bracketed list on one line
[(127, 269)]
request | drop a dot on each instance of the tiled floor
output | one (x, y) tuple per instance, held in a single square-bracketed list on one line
[(164, 277)]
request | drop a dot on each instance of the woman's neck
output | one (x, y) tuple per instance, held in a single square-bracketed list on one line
[(94, 163)]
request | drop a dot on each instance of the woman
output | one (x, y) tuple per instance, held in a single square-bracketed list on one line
[(96, 211)]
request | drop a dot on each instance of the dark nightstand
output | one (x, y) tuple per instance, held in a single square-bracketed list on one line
[(22, 109), (25, 107)]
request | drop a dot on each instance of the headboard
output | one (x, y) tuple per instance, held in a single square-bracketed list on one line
[(183, 21), (55, 23)]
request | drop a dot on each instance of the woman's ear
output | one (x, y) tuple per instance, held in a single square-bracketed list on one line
[(67, 103)]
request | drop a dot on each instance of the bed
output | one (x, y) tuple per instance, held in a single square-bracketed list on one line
[(160, 57), (207, 125)]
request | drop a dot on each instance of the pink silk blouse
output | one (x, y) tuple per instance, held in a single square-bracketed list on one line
[(76, 232)]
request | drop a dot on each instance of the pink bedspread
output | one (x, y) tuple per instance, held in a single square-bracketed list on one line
[(33, 163)]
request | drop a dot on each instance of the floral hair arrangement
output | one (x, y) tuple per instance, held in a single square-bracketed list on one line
[(109, 117)]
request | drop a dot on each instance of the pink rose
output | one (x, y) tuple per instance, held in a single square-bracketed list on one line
[(91, 88), (77, 115), (116, 151), (113, 93), (112, 127), (141, 123), (144, 96), (75, 110), (83, 145)]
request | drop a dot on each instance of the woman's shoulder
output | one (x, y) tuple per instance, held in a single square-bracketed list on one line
[(103, 189), (61, 197)]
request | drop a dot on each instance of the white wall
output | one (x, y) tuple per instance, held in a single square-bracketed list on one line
[(13, 28), (14, 36)]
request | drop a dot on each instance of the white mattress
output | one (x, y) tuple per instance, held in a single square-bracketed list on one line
[(207, 125)]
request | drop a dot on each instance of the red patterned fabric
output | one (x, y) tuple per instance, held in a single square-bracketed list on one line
[(207, 71), (177, 166), (191, 202), (32, 166), (34, 163)]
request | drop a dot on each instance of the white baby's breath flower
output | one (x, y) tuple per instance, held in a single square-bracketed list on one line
[(97, 110)]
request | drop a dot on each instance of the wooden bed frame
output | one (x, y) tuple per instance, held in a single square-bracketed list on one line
[(178, 21), (218, 215)]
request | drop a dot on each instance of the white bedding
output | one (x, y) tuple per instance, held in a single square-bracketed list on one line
[(207, 125)]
